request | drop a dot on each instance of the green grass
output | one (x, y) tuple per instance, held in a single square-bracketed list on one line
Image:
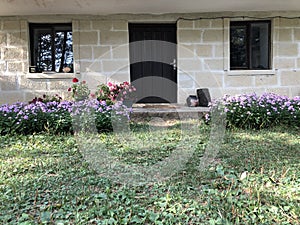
[(254, 179)]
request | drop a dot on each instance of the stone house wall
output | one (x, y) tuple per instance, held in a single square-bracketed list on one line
[(101, 54), (208, 41)]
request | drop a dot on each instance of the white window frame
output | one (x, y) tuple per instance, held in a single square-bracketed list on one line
[(226, 50)]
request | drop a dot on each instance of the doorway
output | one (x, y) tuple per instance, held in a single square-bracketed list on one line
[(153, 62)]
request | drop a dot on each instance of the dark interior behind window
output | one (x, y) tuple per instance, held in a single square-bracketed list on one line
[(250, 45)]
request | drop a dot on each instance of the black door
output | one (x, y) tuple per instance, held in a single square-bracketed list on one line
[(153, 57)]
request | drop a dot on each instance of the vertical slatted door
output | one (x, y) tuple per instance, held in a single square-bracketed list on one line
[(153, 53)]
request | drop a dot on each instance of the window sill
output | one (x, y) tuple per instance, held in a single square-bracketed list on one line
[(50, 76), (250, 72)]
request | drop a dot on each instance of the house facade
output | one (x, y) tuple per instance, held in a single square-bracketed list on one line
[(168, 55)]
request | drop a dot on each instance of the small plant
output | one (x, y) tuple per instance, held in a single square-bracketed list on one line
[(112, 93), (79, 89), (47, 98), (126, 92), (105, 93)]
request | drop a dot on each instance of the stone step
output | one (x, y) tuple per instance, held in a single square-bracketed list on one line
[(142, 112)]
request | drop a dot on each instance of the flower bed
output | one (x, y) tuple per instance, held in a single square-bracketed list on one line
[(58, 117), (87, 112), (257, 112)]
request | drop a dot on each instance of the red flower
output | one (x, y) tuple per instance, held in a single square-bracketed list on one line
[(75, 80), (69, 89)]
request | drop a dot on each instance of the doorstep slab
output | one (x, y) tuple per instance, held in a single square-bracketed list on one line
[(142, 112)]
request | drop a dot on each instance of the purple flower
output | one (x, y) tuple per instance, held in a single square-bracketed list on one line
[(291, 108)]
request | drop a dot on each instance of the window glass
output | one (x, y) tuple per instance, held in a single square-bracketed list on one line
[(259, 46), (51, 47), (238, 47), (250, 45)]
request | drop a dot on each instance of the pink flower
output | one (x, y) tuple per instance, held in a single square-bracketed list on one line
[(109, 84), (75, 80), (84, 82)]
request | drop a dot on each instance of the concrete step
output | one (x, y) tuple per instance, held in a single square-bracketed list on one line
[(141, 112)]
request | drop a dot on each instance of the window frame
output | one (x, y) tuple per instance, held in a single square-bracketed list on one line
[(248, 23), (54, 27)]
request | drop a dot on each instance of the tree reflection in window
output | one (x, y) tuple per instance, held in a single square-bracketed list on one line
[(238, 47), (51, 47)]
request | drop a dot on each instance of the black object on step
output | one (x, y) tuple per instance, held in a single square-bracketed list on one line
[(192, 101), (203, 97)]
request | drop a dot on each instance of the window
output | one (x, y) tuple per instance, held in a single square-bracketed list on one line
[(250, 45), (51, 47)]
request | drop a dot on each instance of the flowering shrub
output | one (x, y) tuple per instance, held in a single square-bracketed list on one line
[(58, 117), (115, 92), (21, 118), (126, 91), (257, 112), (104, 93), (80, 90), (94, 115), (51, 114)]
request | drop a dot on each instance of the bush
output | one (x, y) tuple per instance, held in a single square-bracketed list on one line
[(58, 117), (258, 112), (47, 98), (94, 115), (115, 92), (80, 90), (52, 115)]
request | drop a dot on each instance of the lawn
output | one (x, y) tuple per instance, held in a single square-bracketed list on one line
[(253, 178)]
